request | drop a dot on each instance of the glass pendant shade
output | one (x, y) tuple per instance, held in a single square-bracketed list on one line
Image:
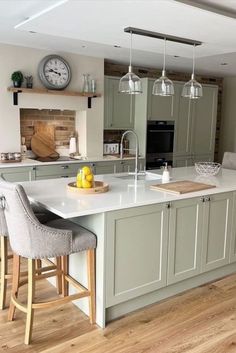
[(163, 86), (130, 83), (192, 89)]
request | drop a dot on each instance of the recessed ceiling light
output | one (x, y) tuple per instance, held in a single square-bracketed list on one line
[(224, 64), (84, 46), (176, 56), (32, 32), (117, 46)]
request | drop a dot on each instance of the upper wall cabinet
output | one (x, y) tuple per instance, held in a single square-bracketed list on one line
[(159, 108), (118, 107)]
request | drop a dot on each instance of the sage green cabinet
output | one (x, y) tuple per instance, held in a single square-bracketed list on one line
[(136, 255), (159, 108), (233, 237), (195, 123), (185, 232), (217, 225), (18, 174), (57, 170), (118, 107)]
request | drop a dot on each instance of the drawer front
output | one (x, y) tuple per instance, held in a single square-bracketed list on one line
[(57, 170)]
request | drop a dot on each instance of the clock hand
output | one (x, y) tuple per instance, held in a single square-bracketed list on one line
[(55, 72)]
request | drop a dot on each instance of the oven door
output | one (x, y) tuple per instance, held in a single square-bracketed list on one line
[(160, 141)]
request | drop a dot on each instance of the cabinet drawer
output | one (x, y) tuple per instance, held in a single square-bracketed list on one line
[(57, 170)]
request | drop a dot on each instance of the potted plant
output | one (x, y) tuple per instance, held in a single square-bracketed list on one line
[(29, 81), (17, 78)]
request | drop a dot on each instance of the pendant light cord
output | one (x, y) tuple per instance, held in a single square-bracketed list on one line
[(193, 60), (164, 59), (130, 52)]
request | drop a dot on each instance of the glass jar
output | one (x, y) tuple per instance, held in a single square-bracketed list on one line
[(86, 83), (85, 178)]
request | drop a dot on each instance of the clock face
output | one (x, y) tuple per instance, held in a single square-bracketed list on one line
[(54, 72)]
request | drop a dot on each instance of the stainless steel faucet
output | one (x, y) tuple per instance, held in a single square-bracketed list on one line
[(136, 169)]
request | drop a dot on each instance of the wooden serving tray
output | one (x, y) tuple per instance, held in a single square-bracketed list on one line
[(10, 161), (181, 187), (99, 188)]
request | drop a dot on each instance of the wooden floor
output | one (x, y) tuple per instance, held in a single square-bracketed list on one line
[(202, 320)]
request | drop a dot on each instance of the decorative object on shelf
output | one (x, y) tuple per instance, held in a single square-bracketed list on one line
[(29, 81), (17, 78), (207, 168), (130, 83), (192, 89), (54, 72), (163, 86), (93, 86), (86, 84)]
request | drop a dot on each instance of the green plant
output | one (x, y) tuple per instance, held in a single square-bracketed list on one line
[(17, 76)]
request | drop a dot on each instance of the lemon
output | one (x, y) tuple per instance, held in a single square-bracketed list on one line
[(86, 170), (86, 184), (89, 177), (79, 183), (79, 176)]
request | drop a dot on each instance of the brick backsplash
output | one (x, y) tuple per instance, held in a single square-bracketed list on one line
[(63, 120)]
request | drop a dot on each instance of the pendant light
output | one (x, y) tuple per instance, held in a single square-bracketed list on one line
[(130, 83), (163, 86), (192, 89)]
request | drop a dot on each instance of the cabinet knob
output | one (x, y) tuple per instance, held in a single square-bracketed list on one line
[(65, 166), (208, 199), (168, 205), (202, 199)]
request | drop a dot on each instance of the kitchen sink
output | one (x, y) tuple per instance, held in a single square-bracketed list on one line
[(146, 177)]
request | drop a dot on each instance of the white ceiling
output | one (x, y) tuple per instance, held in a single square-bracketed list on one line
[(93, 27)]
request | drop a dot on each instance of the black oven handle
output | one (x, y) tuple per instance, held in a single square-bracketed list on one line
[(160, 130)]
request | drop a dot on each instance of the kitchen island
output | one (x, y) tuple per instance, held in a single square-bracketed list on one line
[(151, 244)]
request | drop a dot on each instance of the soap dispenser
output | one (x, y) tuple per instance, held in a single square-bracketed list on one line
[(166, 174)]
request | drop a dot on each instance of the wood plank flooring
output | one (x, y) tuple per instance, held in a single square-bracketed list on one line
[(202, 320)]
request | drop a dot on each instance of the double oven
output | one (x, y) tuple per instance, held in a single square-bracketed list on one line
[(160, 143)]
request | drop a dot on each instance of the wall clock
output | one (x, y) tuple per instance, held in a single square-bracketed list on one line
[(54, 72)]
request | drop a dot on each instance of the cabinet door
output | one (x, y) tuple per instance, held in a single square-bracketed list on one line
[(18, 174), (185, 232), (119, 107), (159, 108), (136, 252), (217, 226), (204, 122), (183, 125), (233, 236)]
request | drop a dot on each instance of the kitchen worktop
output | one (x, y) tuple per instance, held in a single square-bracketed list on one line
[(27, 162), (123, 193)]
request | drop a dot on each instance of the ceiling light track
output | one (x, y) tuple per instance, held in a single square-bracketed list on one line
[(145, 33)]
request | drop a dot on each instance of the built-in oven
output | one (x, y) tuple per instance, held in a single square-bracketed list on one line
[(160, 143)]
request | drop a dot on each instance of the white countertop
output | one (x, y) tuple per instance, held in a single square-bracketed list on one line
[(54, 195), (27, 162)]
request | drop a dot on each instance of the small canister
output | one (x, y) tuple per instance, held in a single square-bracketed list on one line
[(17, 156), (10, 156), (3, 156)]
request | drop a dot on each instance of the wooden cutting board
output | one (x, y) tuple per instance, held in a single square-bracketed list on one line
[(46, 132), (40, 147), (181, 187)]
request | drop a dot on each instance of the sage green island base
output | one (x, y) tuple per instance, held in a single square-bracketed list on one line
[(151, 245)]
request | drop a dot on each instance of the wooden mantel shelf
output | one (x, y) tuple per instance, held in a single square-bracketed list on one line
[(16, 90)]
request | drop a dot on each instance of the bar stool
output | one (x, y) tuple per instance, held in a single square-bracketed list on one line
[(43, 216), (32, 240), (229, 160)]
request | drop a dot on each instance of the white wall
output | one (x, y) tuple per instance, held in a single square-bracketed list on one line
[(26, 59), (228, 121)]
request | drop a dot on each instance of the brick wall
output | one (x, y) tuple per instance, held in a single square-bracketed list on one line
[(62, 120)]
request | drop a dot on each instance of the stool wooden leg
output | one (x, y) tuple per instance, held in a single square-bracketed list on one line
[(31, 295), (4, 262), (15, 285), (91, 284), (38, 264), (64, 267), (59, 277)]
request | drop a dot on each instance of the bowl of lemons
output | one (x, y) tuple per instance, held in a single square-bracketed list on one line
[(86, 184)]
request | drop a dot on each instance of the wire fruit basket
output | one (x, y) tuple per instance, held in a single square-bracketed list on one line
[(207, 168)]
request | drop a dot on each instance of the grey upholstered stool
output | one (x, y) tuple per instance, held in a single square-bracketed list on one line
[(32, 240), (229, 160), (43, 216)]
